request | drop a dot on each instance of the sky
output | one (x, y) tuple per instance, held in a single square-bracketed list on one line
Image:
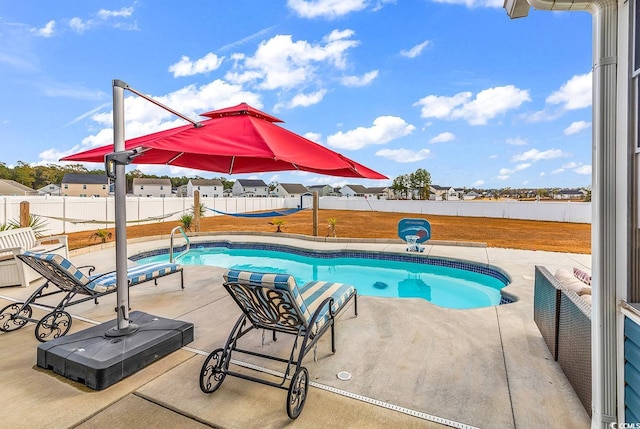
[(450, 86)]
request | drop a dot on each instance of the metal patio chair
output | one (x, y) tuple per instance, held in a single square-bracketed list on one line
[(273, 302), (70, 281)]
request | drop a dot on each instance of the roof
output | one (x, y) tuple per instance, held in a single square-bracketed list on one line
[(441, 188), (251, 182), (19, 186), (294, 188), (358, 189), (377, 190), (206, 182), (151, 181), (318, 186), (85, 179)]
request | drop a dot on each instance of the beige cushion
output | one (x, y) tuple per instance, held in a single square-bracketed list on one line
[(571, 283), (587, 298)]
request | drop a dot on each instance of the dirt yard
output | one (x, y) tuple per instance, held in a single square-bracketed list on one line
[(506, 233)]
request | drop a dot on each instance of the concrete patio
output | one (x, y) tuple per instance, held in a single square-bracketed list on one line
[(413, 364)]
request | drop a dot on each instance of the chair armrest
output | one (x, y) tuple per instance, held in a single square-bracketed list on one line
[(92, 268), (62, 239), (14, 250)]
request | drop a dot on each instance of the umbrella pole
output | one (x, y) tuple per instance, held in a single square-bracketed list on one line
[(122, 309)]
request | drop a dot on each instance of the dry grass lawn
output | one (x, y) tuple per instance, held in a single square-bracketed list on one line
[(505, 233)]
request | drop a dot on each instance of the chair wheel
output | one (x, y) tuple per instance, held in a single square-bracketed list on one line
[(53, 325), (14, 316), (297, 394), (213, 371)]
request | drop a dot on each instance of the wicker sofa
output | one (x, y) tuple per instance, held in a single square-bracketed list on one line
[(564, 320)]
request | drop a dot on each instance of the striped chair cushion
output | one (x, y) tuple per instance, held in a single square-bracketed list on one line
[(313, 293), (52, 261), (272, 280), (135, 274)]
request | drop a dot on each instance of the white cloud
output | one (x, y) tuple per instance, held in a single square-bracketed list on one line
[(576, 127), (305, 100), (574, 94), (502, 177), (314, 137), (415, 51), (330, 9), (384, 129), (281, 63), (404, 155), (516, 141), (486, 105), (46, 31), (557, 171), (519, 167), (77, 24), (585, 169), (356, 81), (536, 155), (186, 67), (477, 183), (125, 12), (443, 137)]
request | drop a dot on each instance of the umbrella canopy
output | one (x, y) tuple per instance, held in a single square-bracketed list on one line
[(235, 140)]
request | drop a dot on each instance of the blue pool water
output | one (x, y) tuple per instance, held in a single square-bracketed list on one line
[(442, 285)]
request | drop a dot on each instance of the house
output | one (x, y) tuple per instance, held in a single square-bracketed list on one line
[(181, 191), (322, 190), (50, 189), (208, 188), (569, 194), (290, 190), (85, 185), (148, 187), (471, 195), (381, 193), (250, 188), (442, 193), (11, 187), (353, 191)]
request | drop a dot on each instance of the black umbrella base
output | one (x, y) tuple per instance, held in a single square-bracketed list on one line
[(98, 360)]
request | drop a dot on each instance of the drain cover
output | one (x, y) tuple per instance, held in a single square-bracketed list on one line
[(344, 375)]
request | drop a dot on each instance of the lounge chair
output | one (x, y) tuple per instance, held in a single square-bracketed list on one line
[(274, 302), (71, 282)]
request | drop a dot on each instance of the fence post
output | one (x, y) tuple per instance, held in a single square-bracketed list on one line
[(24, 214), (315, 213), (196, 210)]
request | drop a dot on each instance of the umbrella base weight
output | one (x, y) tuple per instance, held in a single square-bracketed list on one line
[(96, 360)]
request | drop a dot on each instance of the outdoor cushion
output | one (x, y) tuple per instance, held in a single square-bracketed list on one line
[(135, 274), (313, 293), (569, 282), (581, 275)]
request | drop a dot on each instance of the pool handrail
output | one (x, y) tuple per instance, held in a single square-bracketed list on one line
[(186, 237)]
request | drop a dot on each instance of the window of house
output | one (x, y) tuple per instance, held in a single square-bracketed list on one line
[(66, 186), (161, 187), (84, 186), (141, 186), (104, 186)]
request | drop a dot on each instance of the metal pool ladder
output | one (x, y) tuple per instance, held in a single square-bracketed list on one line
[(186, 237)]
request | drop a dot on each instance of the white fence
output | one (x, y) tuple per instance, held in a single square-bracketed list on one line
[(72, 214), (555, 211)]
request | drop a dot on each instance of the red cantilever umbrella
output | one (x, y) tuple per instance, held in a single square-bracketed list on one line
[(235, 140)]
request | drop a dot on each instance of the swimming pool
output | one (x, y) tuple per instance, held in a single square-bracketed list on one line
[(444, 282)]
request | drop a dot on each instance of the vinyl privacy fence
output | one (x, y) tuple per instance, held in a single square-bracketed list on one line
[(72, 214)]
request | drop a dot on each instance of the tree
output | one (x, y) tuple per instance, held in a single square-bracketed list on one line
[(421, 181), (24, 173), (400, 186)]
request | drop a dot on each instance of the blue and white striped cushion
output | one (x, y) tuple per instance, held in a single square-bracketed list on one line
[(135, 274), (313, 293), (276, 281), (52, 260)]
